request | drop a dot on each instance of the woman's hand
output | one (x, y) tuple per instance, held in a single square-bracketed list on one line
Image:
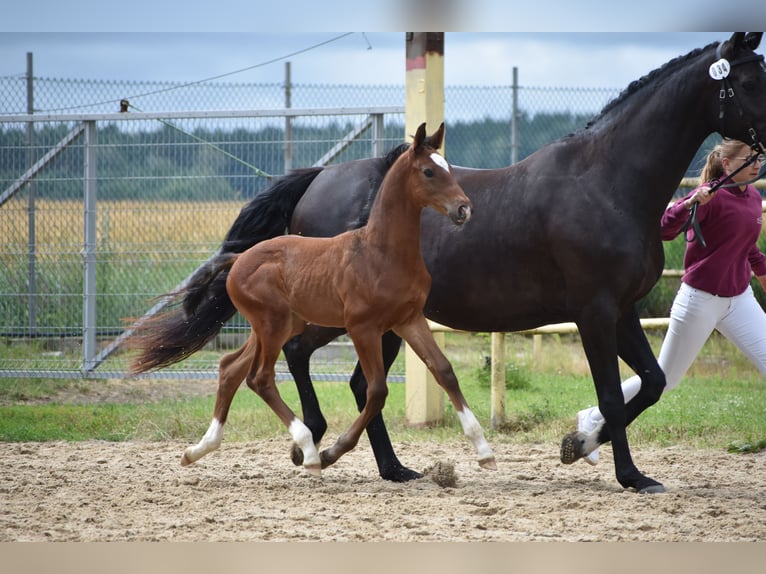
[(701, 195)]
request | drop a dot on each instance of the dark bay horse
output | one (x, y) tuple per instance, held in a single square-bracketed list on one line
[(368, 281), (571, 233)]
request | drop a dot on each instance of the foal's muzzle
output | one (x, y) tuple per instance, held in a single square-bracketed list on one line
[(461, 215)]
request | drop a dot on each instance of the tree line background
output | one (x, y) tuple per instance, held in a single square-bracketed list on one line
[(484, 143)]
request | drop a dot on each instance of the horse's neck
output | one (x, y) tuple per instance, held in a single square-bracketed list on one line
[(394, 223), (658, 130)]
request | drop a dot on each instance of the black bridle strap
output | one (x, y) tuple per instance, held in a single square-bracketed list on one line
[(756, 146), (728, 90)]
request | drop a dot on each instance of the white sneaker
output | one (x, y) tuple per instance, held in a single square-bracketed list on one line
[(587, 425)]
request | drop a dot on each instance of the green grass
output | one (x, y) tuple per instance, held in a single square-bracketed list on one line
[(721, 403)]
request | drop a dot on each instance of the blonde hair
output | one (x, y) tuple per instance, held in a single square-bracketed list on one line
[(728, 149)]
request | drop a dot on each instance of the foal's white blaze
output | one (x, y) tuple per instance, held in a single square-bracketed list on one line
[(302, 436), (209, 442), (440, 161), (472, 430)]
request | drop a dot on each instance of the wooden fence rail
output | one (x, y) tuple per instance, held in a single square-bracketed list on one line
[(425, 399)]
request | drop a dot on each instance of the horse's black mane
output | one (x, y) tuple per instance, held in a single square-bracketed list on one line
[(658, 74), (374, 184)]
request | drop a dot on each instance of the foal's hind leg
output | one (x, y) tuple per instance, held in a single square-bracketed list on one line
[(231, 373), (367, 345), (261, 379), (419, 337)]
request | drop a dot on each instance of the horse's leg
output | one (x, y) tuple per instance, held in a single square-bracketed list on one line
[(389, 466), (598, 334), (367, 345), (231, 372), (419, 337), (262, 379), (634, 348), (298, 351)]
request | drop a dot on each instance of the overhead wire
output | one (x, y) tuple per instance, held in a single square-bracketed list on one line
[(213, 78)]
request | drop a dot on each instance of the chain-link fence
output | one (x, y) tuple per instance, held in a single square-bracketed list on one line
[(171, 176)]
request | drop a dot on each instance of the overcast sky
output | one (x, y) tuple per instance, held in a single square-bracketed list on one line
[(553, 43), (544, 59)]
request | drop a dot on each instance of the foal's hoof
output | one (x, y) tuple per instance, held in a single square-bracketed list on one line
[(296, 455), (185, 460), (314, 469), (572, 448), (488, 463)]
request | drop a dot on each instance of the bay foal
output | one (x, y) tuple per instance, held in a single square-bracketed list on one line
[(369, 280)]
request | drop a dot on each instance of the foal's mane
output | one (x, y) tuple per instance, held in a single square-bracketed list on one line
[(658, 75)]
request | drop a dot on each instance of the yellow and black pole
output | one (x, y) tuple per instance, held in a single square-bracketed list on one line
[(424, 103), (424, 83)]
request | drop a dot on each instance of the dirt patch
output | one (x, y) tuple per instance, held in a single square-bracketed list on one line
[(137, 491)]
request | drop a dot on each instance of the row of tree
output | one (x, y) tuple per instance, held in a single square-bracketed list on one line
[(168, 164)]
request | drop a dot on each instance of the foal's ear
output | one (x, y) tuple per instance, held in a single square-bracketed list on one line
[(436, 139), (420, 136)]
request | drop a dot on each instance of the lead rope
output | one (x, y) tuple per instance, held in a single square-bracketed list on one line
[(693, 222)]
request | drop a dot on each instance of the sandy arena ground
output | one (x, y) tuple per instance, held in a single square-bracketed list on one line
[(137, 491)]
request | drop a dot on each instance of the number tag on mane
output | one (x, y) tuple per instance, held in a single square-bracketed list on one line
[(720, 69)]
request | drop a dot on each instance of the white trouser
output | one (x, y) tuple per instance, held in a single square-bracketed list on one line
[(693, 317)]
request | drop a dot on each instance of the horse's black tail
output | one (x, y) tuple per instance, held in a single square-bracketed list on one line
[(174, 335)]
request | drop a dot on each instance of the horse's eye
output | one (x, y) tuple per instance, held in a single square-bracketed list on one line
[(749, 85), (428, 172)]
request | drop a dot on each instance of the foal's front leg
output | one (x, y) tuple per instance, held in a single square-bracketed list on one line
[(419, 337)]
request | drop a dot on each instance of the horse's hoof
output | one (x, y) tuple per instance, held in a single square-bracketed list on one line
[(488, 463), (648, 485), (185, 461), (400, 474), (572, 448), (652, 489), (314, 469), (296, 455)]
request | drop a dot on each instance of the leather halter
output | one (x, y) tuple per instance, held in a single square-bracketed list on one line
[(727, 91)]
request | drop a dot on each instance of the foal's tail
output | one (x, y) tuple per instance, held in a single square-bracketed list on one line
[(174, 335)]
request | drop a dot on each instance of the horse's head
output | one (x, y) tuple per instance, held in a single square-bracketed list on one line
[(741, 75), (435, 185)]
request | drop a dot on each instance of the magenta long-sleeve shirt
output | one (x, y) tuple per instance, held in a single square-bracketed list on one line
[(731, 223)]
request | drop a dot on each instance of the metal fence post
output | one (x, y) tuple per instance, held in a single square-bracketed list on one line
[(378, 135), (288, 119), (31, 216), (89, 250)]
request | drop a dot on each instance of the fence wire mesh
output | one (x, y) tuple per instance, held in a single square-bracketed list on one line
[(168, 190)]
